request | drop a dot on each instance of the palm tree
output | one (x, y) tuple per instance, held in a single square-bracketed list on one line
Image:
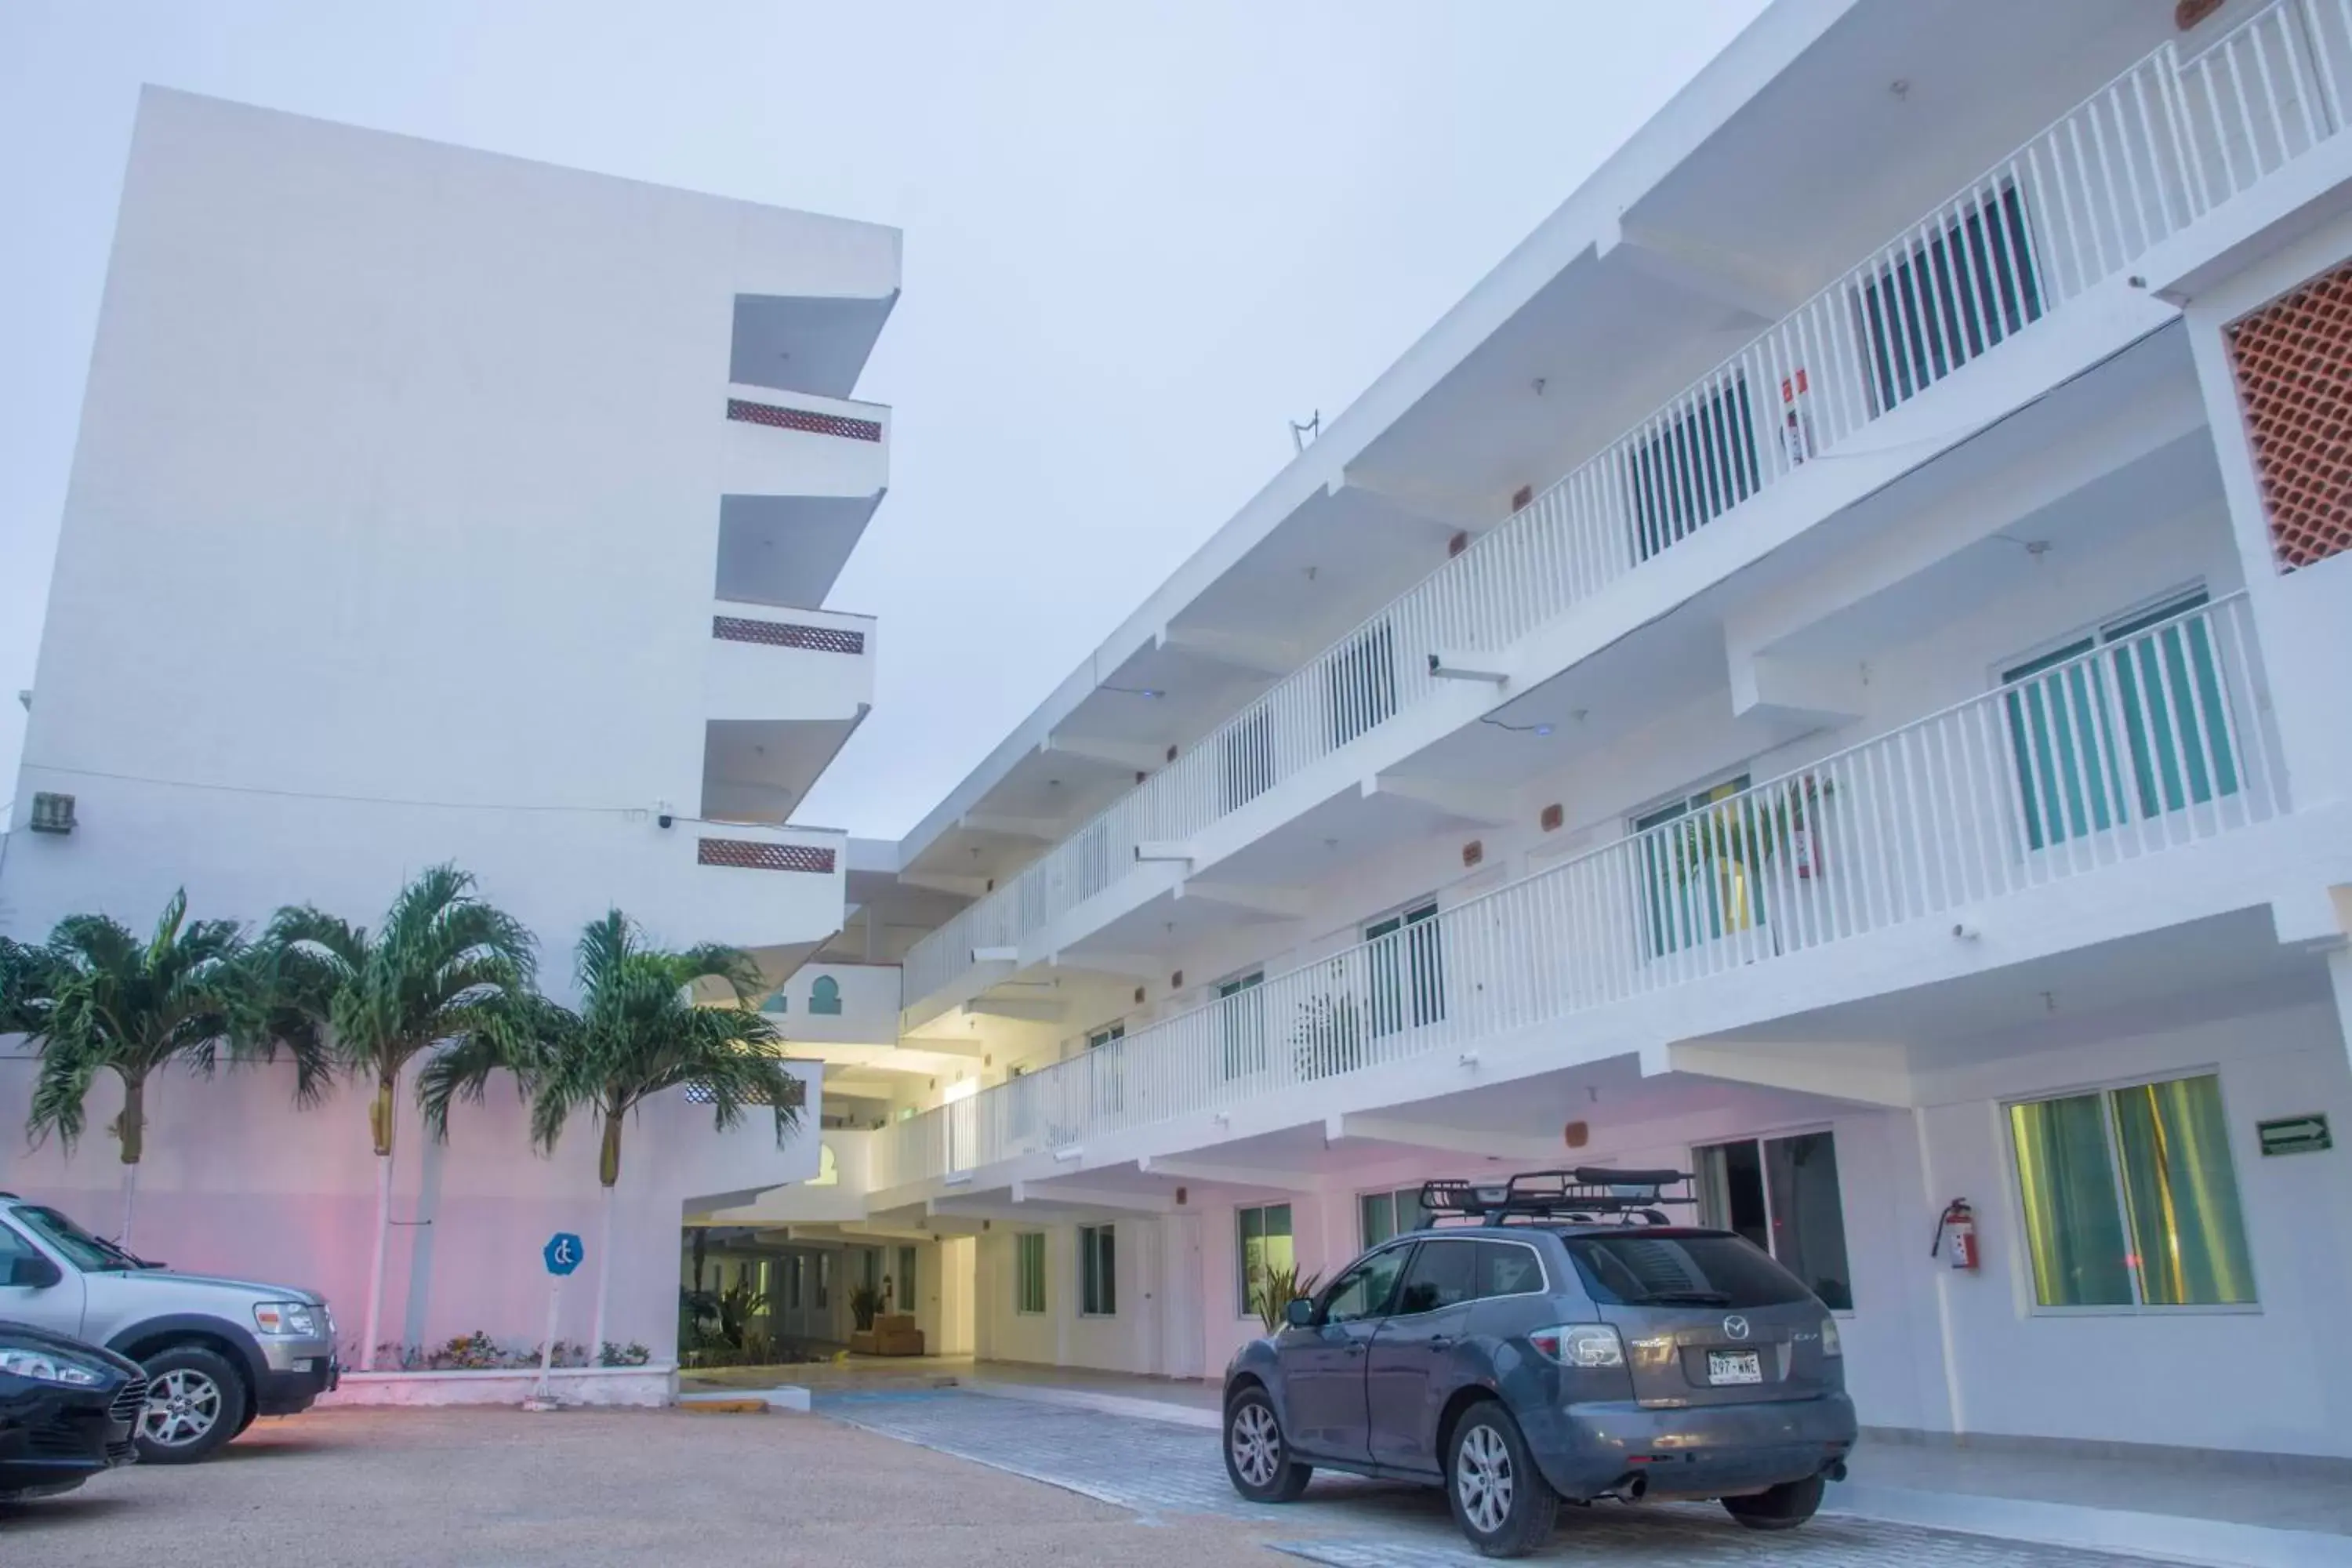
[(442, 970), (638, 1032), (95, 999)]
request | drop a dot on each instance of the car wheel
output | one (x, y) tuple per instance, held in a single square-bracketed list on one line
[(1784, 1507), (1257, 1460), (1499, 1499), (195, 1403), (244, 1422)]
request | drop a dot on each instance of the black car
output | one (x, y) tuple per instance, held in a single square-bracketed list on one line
[(1560, 1340), (68, 1412)]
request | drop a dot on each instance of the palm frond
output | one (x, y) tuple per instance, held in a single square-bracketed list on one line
[(639, 1031), (113, 1003)]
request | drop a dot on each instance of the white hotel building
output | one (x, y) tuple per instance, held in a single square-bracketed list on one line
[(1826, 669)]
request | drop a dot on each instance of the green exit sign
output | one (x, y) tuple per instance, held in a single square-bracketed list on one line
[(2294, 1135)]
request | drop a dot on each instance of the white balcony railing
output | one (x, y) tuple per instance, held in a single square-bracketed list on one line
[(2158, 147), (2146, 742)]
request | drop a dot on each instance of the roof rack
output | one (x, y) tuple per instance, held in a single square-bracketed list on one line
[(1587, 1195)]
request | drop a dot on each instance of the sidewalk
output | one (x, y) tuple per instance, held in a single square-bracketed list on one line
[(2177, 1510)]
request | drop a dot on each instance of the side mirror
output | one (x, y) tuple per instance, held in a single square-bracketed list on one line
[(1299, 1314), (33, 1273)]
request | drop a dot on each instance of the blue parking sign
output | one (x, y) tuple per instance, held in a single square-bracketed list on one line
[(563, 1253)]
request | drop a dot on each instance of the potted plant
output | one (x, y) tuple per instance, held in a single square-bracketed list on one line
[(1278, 1290), (865, 1303), (1327, 1036)]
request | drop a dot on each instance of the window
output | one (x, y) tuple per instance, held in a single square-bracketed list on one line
[(1697, 881), (1948, 302), (793, 1281), (1379, 1215), (1097, 1271), (869, 1268), (2163, 694), (1364, 1290), (2131, 1198), (1264, 1243), (824, 1281), (1362, 676), (1241, 1019), (1108, 1091), (1633, 1271), (825, 994), (1700, 465), (1405, 966), (12, 1247), (1444, 1274), (906, 1279), (1782, 1195), (1029, 1272), (91, 1254), (1508, 1268)]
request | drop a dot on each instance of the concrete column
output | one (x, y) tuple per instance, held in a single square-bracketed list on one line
[(2303, 618), (2339, 975)]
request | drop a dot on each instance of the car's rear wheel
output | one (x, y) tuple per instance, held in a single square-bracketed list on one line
[(195, 1403), (1257, 1459), (1784, 1507), (1499, 1499)]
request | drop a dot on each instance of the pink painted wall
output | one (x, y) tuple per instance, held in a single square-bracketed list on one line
[(237, 1181)]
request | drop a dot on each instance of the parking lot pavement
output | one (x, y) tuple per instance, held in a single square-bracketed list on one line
[(1166, 1471), (441, 1489)]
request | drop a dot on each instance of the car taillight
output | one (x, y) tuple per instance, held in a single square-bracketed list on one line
[(1580, 1344), (1831, 1344)]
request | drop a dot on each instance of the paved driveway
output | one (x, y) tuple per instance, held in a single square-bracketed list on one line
[(440, 1488), (1166, 1472)]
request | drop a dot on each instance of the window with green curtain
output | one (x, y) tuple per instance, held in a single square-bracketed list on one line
[(1381, 1216), (2131, 1198), (1696, 877), (1262, 1237), (2161, 694), (1097, 1271), (2181, 1195), (1029, 1272)]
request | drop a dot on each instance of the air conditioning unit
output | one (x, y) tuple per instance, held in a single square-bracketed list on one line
[(52, 813)]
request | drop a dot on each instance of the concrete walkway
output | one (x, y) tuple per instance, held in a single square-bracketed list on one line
[(2230, 1513)]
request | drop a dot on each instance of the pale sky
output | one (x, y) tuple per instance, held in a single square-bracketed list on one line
[(1141, 237)]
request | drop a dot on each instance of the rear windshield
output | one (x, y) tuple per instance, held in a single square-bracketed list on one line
[(1687, 1271)]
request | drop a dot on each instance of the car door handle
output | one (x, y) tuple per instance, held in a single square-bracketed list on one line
[(1440, 1343), (1355, 1349)]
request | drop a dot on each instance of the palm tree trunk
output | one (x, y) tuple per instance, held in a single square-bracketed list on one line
[(130, 1128), (380, 1110), (608, 1171)]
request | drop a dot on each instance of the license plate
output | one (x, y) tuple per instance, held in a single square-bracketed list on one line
[(1734, 1366)]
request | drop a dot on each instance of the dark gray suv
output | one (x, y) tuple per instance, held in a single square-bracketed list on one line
[(1553, 1338)]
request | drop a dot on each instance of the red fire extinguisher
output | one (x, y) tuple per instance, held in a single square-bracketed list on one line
[(1958, 1225)]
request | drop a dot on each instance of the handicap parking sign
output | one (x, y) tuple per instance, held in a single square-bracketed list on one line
[(563, 1253)]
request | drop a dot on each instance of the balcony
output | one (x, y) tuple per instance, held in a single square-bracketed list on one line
[(761, 886), (798, 444), (2088, 768), (770, 664), (2057, 223)]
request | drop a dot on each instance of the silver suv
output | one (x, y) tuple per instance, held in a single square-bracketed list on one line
[(217, 1352)]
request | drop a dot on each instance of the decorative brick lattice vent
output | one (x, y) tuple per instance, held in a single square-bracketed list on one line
[(2294, 361), (803, 419), (753, 856), (785, 633)]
